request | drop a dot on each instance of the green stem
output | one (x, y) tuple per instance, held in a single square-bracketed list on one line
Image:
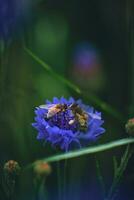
[(40, 192), (59, 180), (124, 161), (65, 181), (37, 192), (100, 177), (8, 184)]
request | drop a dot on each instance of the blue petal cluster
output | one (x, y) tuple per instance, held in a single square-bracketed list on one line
[(12, 14), (67, 123)]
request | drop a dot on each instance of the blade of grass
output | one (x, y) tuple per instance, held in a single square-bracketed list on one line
[(52, 72), (85, 151), (94, 99)]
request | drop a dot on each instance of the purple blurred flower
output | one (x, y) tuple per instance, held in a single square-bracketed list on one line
[(67, 123), (85, 57), (13, 14)]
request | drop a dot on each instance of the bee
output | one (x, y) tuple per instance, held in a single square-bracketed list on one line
[(82, 119), (53, 109), (80, 116), (75, 108)]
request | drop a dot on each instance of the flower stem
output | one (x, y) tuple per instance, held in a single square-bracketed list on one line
[(40, 191), (100, 177), (59, 180), (119, 172), (37, 192), (65, 181)]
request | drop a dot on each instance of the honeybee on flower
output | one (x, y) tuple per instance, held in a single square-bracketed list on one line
[(54, 109), (67, 123)]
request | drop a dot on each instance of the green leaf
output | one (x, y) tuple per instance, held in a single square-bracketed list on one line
[(91, 97)]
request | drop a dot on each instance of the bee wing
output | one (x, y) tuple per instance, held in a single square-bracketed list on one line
[(46, 106)]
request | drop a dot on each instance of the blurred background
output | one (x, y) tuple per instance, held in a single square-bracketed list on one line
[(91, 44)]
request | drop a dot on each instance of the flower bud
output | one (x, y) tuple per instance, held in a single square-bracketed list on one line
[(12, 168), (42, 168), (130, 127)]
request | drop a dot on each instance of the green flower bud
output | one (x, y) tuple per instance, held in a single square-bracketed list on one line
[(130, 127), (42, 168)]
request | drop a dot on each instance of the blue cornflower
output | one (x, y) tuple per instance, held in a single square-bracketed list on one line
[(12, 16), (67, 123)]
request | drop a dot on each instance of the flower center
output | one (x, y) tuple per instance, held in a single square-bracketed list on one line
[(67, 117)]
